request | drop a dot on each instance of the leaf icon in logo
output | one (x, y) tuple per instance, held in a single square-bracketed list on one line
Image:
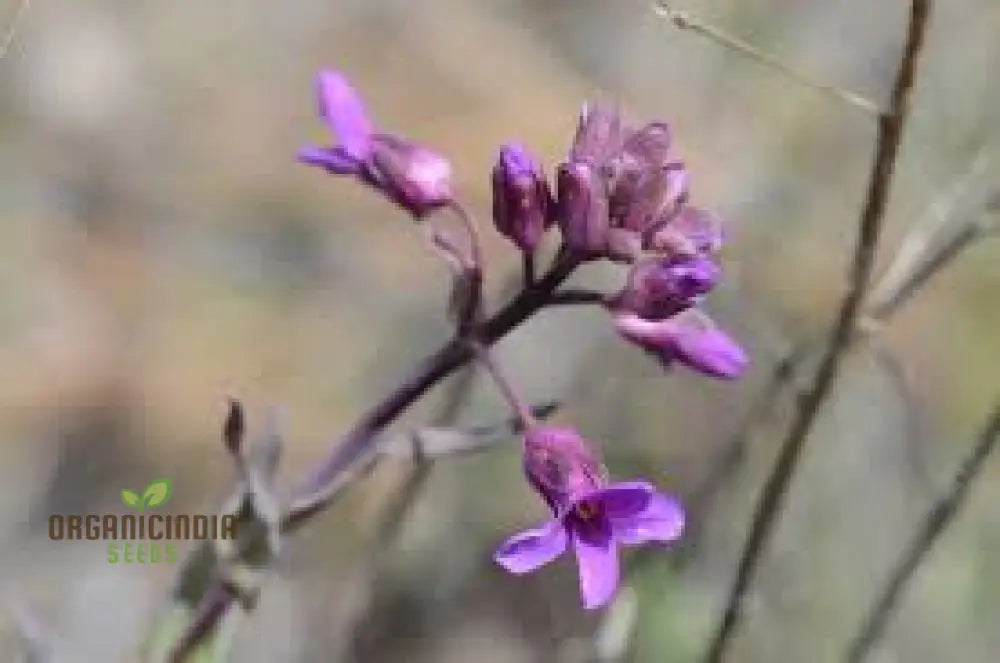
[(156, 493), (129, 498)]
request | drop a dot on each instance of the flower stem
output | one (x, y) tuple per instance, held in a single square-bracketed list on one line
[(505, 385), (314, 494), (684, 21)]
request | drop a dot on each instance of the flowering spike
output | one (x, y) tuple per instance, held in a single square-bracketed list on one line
[(522, 202)]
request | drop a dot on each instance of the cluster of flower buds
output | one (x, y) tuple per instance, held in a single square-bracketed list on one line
[(622, 194)]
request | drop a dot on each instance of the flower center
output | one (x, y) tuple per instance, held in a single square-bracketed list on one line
[(587, 510)]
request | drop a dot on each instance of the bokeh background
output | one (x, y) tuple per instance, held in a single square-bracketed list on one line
[(160, 249)]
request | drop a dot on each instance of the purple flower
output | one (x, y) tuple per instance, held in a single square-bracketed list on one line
[(589, 513), (522, 202), (689, 337), (582, 209), (560, 465), (658, 288), (690, 232), (648, 183), (412, 176), (617, 184)]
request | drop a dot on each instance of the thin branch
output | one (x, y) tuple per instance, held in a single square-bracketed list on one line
[(902, 281), (917, 244), (466, 219), (916, 437), (685, 21), (922, 272), (406, 497), (770, 502), (511, 394), (940, 515)]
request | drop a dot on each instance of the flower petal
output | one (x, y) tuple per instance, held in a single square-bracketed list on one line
[(599, 134), (691, 230), (333, 159), (527, 551), (689, 337), (582, 208), (650, 145), (341, 107), (706, 348), (597, 564), (622, 499), (661, 520)]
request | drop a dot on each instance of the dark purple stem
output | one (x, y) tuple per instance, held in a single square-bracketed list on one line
[(578, 298), (315, 493)]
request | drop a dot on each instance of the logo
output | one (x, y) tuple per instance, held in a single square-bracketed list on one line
[(156, 494), (142, 538)]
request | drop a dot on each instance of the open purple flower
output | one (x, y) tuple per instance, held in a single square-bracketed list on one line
[(591, 514), (412, 176)]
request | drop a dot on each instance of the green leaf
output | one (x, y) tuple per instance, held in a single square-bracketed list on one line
[(130, 498), (156, 493)]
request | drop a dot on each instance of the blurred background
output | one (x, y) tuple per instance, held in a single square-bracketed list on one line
[(160, 249)]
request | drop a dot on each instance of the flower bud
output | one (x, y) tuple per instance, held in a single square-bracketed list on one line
[(647, 183), (660, 288), (689, 232), (599, 133), (560, 466), (582, 209), (522, 201), (689, 337), (414, 176)]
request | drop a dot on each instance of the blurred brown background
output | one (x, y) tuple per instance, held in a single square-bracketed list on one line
[(160, 249)]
